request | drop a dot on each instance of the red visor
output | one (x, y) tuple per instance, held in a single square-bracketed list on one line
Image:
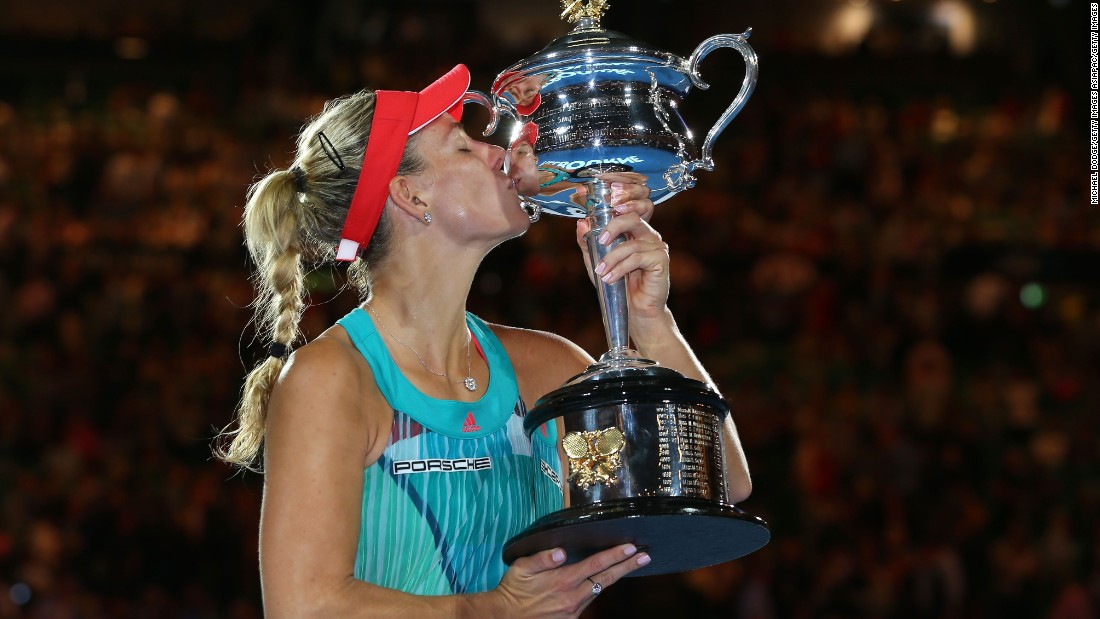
[(529, 108), (397, 115), (529, 133)]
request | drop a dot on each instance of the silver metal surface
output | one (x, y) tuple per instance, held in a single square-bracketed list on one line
[(612, 296), (752, 68), (602, 102), (672, 450), (642, 444), (606, 103)]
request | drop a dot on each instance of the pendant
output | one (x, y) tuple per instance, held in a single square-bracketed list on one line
[(470, 383)]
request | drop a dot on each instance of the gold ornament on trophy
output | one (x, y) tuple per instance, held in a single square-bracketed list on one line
[(576, 10), (594, 456)]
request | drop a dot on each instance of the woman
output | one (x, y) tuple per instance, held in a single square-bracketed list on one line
[(395, 463)]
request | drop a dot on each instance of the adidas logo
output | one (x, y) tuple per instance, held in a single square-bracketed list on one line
[(471, 423)]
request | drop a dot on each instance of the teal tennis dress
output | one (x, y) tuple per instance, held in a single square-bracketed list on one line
[(456, 479)]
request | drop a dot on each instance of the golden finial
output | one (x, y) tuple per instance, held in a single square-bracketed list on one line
[(576, 10)]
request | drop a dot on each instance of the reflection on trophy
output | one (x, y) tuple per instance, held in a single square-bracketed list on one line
[(642, 443)]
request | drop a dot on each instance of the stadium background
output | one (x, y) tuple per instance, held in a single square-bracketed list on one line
[(891, 275)]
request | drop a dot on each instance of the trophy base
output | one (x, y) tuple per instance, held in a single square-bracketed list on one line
[(680, 534)]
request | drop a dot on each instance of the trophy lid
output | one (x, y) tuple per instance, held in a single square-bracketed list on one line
[(590, 40), (588, 43)]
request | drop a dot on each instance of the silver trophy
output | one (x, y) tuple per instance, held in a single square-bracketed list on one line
[(642, 443)]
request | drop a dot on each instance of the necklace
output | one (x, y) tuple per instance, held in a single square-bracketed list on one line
[(468, 382)]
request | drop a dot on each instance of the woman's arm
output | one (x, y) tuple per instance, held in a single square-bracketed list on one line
[(542, 361), (658, 338), (320, 435), (643, 260)]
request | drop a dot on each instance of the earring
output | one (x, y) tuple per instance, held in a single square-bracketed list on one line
[(427, 217)]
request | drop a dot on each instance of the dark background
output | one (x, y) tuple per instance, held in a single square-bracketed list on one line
[(891, 275)]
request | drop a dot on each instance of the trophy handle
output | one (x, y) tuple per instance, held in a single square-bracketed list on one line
[(741, 44), (496, 105)]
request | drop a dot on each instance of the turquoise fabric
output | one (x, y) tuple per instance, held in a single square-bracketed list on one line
[(455, 481)]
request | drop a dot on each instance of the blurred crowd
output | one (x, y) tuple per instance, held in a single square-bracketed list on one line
[(893, 291)]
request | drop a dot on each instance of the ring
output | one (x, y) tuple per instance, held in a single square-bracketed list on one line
[(596, 587)]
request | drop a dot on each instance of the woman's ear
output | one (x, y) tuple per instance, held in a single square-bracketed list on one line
[(404, 196)]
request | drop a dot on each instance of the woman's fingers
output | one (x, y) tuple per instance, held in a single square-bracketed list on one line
[(605, 568), (632, 178), (541, 585), (642, 208), (643, 252), (643, 249), (540, 562), (633, 209), (631, 224), (646, 255), (629, 195)]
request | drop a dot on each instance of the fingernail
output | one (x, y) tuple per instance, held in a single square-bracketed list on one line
[(600, 268), (644, 560), (616, 186), (620, 208), (630, 549), (558, 555), (606, 278), (604, 238)]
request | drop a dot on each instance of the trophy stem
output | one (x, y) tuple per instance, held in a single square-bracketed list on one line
[(612, 296)]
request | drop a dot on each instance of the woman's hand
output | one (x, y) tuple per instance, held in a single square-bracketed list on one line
[(642, 258), (629, 194), (542, 586)]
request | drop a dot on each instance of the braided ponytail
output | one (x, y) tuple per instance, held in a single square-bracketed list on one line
[(271, 230), (289, 232)]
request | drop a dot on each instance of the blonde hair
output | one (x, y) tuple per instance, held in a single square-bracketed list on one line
[(289, 233)]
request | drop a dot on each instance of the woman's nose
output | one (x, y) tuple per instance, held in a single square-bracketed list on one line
[(494, 156)]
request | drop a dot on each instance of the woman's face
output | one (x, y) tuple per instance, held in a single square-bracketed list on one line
[(524, 168), (464, 184), (525, 90)]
